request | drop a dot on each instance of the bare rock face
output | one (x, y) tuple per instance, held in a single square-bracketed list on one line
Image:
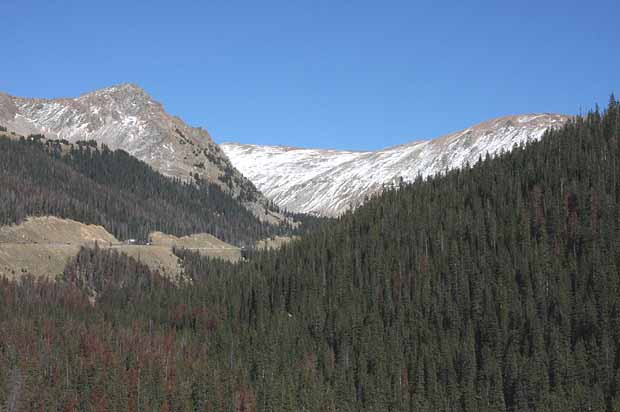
[(126, 117), (328, 182)]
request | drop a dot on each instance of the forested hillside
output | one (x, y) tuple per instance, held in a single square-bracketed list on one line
[(493, 288), (113, 189)]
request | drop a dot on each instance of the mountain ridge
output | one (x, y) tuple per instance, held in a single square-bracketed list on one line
[(329, 181), (126, 117)]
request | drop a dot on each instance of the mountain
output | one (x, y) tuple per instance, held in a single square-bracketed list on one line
[(126, 117), (328, 182), (491, 288), (93, 185)]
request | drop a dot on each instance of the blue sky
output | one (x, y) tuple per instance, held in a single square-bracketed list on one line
[(339, 74)]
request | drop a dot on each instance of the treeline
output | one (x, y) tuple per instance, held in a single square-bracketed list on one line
[(492, 288), (113, 189)]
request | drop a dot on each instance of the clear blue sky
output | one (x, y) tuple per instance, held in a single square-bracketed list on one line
[(340, 74)]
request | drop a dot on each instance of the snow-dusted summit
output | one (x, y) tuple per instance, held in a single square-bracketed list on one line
[(328, 182), (126, 117)]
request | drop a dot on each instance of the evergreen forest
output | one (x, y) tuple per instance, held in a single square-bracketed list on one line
[(95, 185), (491, 288)]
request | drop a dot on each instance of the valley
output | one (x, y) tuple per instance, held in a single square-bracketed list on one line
[(488, 287), (309, 206), (476, 271)]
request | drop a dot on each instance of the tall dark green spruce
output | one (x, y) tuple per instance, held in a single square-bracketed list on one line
[(492, 288)]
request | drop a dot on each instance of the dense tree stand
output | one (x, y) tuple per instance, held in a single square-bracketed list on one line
[(492, 288)]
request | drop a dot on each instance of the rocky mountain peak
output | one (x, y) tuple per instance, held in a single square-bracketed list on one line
[(126, 96), (126, 117)]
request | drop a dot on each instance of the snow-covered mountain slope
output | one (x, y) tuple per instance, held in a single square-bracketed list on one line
[(328, 182), (126, 117)]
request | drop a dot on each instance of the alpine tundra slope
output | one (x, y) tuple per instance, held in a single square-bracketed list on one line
[(328, 182)]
